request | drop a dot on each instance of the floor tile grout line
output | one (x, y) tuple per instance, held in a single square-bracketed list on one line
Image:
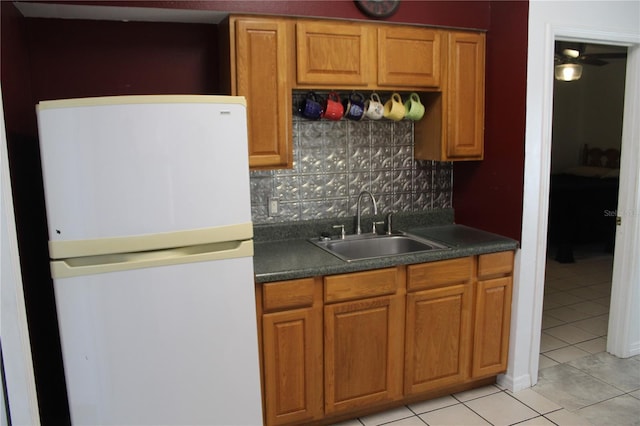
[(523, 403)]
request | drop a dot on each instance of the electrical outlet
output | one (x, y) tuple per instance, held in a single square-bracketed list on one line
[(274, 206)]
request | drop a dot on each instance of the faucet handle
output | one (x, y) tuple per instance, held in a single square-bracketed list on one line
[(342, 234), (377, 223)]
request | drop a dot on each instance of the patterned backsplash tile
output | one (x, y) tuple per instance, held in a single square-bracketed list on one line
[(335, 160)]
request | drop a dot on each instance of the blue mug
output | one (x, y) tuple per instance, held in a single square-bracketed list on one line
[(311, 107), (354, 107)]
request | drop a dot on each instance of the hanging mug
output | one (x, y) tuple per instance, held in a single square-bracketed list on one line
[(354, 107), (333, 109), (310, 107), (414, 110), (394, 109), (373, 107)]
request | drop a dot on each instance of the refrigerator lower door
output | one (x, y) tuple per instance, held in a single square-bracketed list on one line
[(162, 345)]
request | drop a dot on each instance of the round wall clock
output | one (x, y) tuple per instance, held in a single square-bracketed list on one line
[(378, 8)]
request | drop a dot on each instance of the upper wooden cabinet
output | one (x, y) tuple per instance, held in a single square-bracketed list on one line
[(267, 57), (453, 126), (408, 57), (332, 53), (465, 95), (260, 58)]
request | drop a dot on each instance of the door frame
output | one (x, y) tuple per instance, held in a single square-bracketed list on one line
[(16, 346), (531, 270)]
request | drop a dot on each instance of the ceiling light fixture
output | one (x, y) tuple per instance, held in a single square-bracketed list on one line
[(568, 72)]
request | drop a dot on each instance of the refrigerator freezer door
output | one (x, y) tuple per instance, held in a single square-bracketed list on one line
[(122, 166), (171, 345)]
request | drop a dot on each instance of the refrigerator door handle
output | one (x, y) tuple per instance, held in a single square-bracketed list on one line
[(90, 265)]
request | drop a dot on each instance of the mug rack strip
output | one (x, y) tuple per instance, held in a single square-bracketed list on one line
[(298, 95)]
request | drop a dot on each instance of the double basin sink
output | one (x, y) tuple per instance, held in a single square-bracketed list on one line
[(372, 246)]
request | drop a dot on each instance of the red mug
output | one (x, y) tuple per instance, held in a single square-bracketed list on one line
[(333, 109)]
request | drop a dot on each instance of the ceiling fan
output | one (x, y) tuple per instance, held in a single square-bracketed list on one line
[(569, 58), (587, 54)]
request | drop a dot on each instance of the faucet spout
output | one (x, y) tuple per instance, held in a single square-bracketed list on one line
[(359, 209)]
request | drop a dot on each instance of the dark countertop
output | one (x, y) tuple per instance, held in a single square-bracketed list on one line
[(296, 257)]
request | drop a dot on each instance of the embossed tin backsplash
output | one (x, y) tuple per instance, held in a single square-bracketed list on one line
[(335, 160)]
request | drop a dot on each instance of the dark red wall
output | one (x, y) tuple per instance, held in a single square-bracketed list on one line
[(488, 194), (74, 58)]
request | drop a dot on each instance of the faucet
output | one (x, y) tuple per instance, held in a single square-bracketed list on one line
[(359, 210)]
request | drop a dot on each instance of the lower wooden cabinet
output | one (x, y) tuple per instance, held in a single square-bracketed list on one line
[(363, 350), (350, 342), (493, 314), (438, 334), (363, 353), (292, 352)]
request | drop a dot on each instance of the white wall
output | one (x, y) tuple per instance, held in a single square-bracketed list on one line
[(605, 22)]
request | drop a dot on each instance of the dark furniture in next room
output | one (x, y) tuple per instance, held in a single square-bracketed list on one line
[(583, 202)]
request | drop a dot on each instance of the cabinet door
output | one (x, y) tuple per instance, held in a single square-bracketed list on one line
[(332, 53), (363, 353), (465, 96), (438, 338), (262, 77), (492, 323), (408, 57), (292, 351)]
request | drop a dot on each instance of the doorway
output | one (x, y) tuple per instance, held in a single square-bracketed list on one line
[(583, 196)]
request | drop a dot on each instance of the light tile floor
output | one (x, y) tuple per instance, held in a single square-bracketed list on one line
[(579, 383)]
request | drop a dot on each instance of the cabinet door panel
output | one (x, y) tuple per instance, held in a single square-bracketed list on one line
[(363, 353), (438, 338), (492, 323), (331, 53), (465, 99), (262, 77), (293, 367), (408, 57)]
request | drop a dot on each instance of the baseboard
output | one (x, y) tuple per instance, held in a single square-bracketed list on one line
[(514, 385)]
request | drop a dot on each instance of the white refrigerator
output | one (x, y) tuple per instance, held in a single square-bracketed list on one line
[(150, 239)]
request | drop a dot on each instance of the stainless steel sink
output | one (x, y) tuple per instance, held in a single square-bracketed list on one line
[(371, 246)]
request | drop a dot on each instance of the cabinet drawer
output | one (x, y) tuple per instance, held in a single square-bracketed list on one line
[(434, 274), (495, 264), (287, 294), (360, 285)]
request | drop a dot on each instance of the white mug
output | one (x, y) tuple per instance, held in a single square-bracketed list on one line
[(373, 108)]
